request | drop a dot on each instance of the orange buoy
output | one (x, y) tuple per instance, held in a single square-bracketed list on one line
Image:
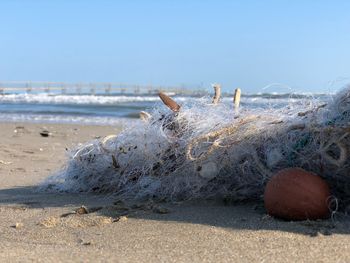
[(295, 194)]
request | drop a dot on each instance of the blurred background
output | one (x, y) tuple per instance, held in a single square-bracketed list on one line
[(61, 60)]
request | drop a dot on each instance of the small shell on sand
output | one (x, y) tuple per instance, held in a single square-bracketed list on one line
[(87, 243), (18, 225), (4, 162), (45, 133)]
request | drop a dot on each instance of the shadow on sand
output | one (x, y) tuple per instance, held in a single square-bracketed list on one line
[(248, 216)]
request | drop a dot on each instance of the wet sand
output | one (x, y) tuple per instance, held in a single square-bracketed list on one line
[(50, 227)]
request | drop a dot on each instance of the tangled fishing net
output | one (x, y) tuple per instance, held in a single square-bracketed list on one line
[(205, 150)]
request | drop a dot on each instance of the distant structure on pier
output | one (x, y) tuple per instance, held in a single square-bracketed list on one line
[(8, 87)]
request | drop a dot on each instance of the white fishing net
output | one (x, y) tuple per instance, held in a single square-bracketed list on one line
[(207, 150)]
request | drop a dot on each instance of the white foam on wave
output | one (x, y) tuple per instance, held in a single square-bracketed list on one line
[(76, 99), (69, 119), (44, 98)]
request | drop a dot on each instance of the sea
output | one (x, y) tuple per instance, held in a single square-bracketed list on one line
[(117, 108)]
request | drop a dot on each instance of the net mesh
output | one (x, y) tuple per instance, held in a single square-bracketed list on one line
[(207, 150)]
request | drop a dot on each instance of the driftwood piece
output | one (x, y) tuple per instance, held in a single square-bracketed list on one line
[(237, 99), (217, 94), (169, 102)]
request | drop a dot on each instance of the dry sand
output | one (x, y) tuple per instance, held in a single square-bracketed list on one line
[(44, 227)]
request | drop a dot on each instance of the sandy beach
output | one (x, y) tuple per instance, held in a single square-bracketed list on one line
[(51, 227)]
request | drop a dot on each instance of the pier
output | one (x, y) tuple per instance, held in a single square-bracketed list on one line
[(10, 87)]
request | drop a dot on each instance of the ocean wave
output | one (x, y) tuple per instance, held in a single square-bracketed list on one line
[(73, 99), (44, 98), (112, 109), (69, 119)]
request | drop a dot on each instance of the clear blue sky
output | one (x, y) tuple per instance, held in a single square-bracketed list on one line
[(249, 44)]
